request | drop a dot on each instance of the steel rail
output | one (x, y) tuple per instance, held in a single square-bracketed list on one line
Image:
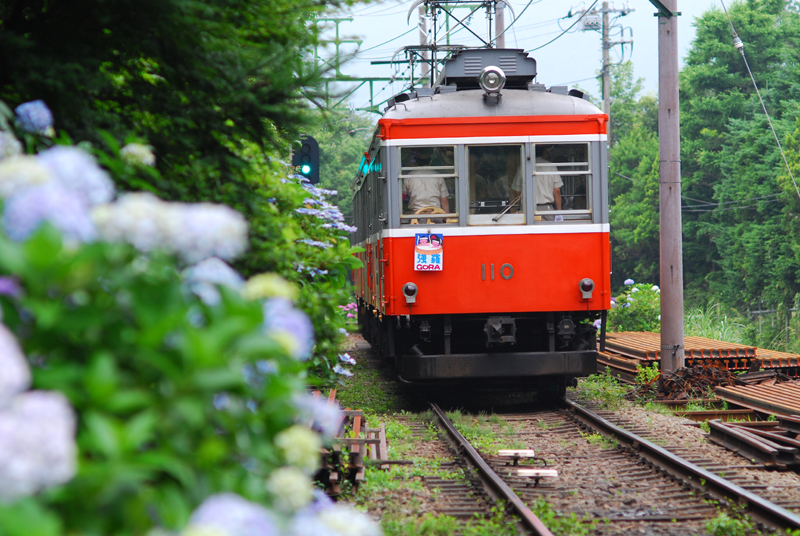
[(498, 485), (759, 508)]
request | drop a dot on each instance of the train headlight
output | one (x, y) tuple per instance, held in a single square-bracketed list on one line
[(492, 79), (410, 291), (587, 287)]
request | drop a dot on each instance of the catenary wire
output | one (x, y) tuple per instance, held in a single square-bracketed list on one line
[(568, 29), (737, 42)]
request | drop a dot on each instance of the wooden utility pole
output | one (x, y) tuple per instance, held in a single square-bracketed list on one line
[(669, 154), (500, 25), (606, 72)]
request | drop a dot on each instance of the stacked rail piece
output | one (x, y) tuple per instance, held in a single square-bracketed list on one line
[(626, 351)]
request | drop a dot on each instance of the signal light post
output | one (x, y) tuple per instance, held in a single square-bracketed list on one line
[(306, 159)]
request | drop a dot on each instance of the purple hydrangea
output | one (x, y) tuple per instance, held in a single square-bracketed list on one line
[(37, 444), (338, 369), (345, 358), (231, 515), (65, 209), (15, 375), (10, 287), (321, 415), (315, 243), (629, 282), (77, 170), (280, 316), (34, 117), (598, 323)]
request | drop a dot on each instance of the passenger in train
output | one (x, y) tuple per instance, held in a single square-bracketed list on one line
[(426, 190), (548, 188)]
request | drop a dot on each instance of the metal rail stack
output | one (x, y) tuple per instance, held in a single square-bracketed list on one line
[(628, 350)]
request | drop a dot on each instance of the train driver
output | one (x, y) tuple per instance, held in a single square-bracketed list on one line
[(426, 190)]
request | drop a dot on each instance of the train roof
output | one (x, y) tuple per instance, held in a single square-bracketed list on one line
[(471, 103)]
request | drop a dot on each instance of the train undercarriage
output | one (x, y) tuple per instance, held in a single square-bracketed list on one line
[(540, 349)]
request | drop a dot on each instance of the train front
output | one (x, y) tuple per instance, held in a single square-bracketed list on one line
[(482, 205)]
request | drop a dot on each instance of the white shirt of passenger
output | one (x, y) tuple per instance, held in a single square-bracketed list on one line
[(424, 191), (545, 184)]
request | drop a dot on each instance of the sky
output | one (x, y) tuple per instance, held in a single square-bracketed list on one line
[(572, 59)]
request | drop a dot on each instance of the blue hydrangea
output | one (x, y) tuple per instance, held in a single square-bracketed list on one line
[(338, 369), (34, 117), (280, 316), (629, 282), (315, 243), (65, 209), (231, 515), (323, 416), (77, 170)]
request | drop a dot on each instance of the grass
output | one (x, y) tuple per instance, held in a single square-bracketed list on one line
[(713, 323), (602, 389), (441, 525), (367, 390), (600, 440), (562, 525)]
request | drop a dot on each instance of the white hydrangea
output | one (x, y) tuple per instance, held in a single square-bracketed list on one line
[(203, 278), (77, 170), (227, 514), (192, 231), (37, 444), (339, 520), (21, 171), (15, 376), (9, 145), (136, 153), (300, 447), (291, 489)]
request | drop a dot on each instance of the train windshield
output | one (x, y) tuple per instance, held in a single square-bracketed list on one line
[(428, 181), (562, 182), (496, 184)]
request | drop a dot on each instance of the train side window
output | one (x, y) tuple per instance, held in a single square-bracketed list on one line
[(562, 180), (429, 185), (496, 184)]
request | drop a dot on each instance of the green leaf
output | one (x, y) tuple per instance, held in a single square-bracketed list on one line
[(28, 518), (103, 434), (140, 429)]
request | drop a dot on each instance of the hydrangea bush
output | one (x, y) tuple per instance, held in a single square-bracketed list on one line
[(164, 382), (637, 308)]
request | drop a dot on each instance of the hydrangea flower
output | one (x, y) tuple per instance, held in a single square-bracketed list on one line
[(628, 282), (77, 170), (323, 416), (634, 289), (18, 172), (10, 287), (345, 358), (9, 145), (338, 369), (192, 231), (300, 447), (227, 514), (37, 444), (138, 154), (34, 117), (291, 489), (65, 209), (315, 243), (203, 278), (264, 286), (598, 323), (338, 520), (655, 288), (15, 376), (281, 318)]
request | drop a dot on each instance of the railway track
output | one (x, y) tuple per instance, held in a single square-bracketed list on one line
[(614, 478)]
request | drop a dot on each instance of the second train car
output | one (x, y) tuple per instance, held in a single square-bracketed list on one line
[(482, 206)]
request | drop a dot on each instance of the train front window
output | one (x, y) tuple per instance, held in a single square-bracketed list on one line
[(428, 183), (563, 182), (496, 184)]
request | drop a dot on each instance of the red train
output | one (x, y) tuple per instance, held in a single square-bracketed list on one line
[(482, 205)]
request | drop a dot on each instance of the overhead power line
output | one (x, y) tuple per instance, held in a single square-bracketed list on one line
[(737, 42), (568, 29)]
